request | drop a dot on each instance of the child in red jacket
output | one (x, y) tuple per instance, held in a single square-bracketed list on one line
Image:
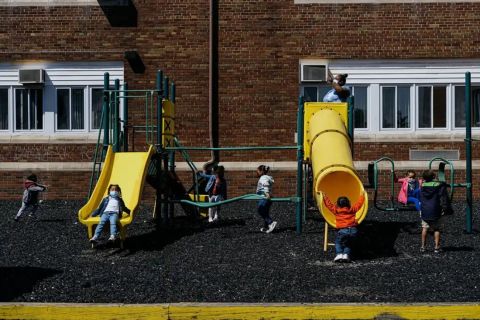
[(346, 224)]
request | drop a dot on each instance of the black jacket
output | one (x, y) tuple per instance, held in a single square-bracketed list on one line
[(434, 200), (103, 206)]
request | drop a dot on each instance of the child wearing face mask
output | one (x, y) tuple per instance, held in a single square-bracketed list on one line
[(110, 209)]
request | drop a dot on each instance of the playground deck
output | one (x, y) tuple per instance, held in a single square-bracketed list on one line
[(49, 260)]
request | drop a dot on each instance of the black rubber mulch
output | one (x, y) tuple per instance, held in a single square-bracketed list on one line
[(49, 259)]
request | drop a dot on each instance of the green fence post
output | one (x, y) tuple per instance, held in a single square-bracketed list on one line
[(116, 117), (468, 149), (125, 118)]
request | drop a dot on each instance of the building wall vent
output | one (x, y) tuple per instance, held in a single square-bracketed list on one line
[(430, 154), (314, 73), (31, 76)]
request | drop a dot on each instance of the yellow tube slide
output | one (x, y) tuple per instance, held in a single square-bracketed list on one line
[(332, 163), (128, 170)]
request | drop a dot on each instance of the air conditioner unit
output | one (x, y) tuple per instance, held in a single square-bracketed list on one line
[(31, 76), (314, 73)]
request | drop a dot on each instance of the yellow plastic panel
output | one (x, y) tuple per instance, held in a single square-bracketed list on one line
[(168, 125)]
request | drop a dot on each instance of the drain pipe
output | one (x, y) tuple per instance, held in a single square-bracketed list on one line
[(213, 86)]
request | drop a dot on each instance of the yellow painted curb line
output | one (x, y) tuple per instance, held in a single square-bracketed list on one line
[(236, 311)]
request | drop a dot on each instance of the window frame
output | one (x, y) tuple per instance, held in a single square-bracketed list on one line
[(411, 106), (448, 107), (14, 110), (9, 109), (85, 105)]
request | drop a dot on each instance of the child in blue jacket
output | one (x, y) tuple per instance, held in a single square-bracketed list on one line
[(435, 203), (216, 189), (110, 209)]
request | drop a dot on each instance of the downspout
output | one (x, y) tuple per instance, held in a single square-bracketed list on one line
[(213, 85)]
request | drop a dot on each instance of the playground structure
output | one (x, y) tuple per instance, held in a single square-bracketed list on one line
[(320, 127)]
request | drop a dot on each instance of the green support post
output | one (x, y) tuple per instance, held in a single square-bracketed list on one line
[(125, 119), (166, 87), (159, 107), (298, 204), (468, 153), (171, 156), (106, 112), (159, 196), (166, 157), (116, 116), (172, 92)]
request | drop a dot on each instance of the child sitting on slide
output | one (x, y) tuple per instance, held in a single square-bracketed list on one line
[(110, 209), (346, 223)]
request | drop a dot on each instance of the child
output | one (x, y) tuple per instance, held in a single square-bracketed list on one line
[(110, 209), (264, 188), (216, 189), (346, 224), (434, 204), (410, 190), (30, 196)]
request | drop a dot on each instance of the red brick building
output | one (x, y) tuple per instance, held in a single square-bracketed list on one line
[(406, 62)]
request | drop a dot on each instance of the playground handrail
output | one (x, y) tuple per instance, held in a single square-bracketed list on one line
[(250, 196)]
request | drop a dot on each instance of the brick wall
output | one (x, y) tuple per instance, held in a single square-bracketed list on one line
[(260, 44)]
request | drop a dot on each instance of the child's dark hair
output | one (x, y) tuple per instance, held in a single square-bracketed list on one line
[(343, 202), (220, 170), (428, 175), (32, 177), (263, 169), (115, 185), (343, 77), (411, 171)]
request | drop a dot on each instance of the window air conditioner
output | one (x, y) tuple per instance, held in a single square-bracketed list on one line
[(31, 76), (314, 73)]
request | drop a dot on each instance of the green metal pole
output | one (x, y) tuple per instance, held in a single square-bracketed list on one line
[(299, 165), (165, 89), (159, 107), (106, 111), (116, 117), (125, 119), (172, 92), (468, 148)]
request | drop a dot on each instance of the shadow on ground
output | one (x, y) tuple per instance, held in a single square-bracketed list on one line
[(15, 281)]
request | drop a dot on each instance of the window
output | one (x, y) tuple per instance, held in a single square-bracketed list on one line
[(28, 109), (360, 103), (432, 107), (96, 111), (3, 109), (395, 107), (460, 106), (70, 109)]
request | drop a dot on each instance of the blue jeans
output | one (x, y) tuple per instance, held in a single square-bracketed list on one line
[(344, 239), (413, 197), (107, 216), (263, 208)]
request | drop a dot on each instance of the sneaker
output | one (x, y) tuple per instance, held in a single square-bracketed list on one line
[(112, 238), (16, 219), (264, 229), (345, 258), (423, 250), (271, 226), (438, 250), (210, 220), (93, 240), (338, 258)]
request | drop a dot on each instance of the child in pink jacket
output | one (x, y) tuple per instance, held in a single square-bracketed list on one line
[(410, 190)]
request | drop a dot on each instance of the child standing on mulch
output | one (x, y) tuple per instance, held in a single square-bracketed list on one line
[(346, 225), (30, 196), (264, 188), (435, 203), (110, 209), (216, 189)]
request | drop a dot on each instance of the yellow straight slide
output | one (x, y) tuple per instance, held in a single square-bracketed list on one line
[(128, 170), (330, 154)]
